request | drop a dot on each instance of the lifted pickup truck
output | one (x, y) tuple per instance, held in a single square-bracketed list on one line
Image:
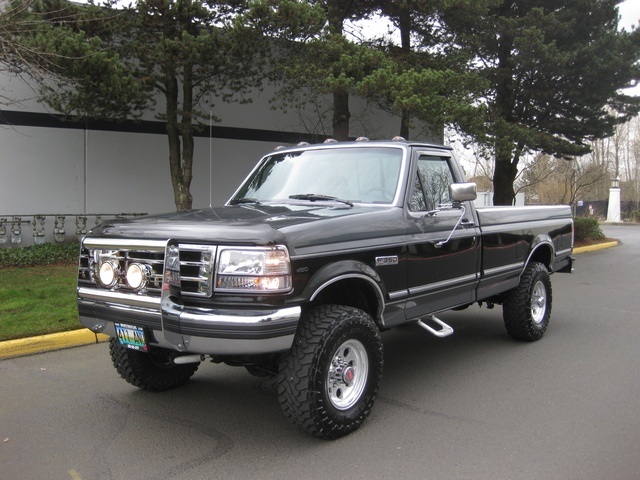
[(320, 249)]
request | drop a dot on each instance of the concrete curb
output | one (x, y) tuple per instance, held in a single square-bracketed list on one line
[(593, 248), (76, 338), (45, 343)]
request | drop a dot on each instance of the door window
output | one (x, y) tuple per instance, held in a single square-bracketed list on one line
[(431, 184)]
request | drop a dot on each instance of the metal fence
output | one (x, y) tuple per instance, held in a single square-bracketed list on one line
[(599, 209), (20, 230)]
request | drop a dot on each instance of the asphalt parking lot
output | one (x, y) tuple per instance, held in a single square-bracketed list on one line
[(475, 405)]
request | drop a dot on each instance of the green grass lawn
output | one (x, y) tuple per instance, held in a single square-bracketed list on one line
[(37, 301)]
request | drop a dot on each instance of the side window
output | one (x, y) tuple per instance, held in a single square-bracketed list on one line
[(431, 184)]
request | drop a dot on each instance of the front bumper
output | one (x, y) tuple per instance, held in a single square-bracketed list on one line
[(170, 324)]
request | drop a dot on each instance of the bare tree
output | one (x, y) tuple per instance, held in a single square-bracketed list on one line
[(551, 180), (631, 187), (20, 19), (11, 14)]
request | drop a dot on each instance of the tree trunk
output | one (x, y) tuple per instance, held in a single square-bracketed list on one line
[(404, 21), (186, 129), (181, 195), (341, 116), (505, 172), (506, 167), (405, 124), (503, 178)]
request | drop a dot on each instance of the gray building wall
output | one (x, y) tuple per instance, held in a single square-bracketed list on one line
[(89, 171)]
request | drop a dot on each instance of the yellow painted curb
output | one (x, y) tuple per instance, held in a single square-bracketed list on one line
[(593, 248), (45, 343)]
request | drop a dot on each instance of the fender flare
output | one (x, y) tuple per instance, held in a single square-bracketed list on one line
[(343, 270), (541, 241)]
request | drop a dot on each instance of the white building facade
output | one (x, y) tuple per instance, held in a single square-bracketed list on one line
[(59, 175)]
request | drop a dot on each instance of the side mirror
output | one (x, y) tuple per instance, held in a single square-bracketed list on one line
[(463, 192), (459, 193)]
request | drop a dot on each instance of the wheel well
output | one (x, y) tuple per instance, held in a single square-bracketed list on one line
[(352, 292), (541, 254)]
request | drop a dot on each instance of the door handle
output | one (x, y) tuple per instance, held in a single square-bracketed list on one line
[(467, 223)]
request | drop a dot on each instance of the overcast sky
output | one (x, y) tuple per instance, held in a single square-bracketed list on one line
[(629, 13)]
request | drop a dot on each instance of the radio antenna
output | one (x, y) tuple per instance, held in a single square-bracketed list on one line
[(210, 153)]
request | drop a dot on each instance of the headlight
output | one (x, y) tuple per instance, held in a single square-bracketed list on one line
[(137, 275), (253, 269), (109, 273)]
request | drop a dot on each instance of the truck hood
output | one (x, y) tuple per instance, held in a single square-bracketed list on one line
[(297, 226)]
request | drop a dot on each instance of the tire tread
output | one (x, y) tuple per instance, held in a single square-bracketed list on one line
[(300, 400), (516, 307), (139, 369)]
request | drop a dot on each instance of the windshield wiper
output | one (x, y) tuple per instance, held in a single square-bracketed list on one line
[(237, 201), (314, 197)]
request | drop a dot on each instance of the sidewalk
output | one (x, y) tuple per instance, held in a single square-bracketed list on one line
[(77, 338)]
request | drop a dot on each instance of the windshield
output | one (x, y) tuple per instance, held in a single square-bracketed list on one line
[(360, 175)]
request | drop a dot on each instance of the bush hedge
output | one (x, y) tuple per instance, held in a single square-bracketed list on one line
[(634, 216), (45, 254), (587, 229)]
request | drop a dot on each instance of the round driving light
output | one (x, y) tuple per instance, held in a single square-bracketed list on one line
[(137, 276), (109, 273)]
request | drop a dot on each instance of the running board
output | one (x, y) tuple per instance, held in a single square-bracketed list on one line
[(444, 331)]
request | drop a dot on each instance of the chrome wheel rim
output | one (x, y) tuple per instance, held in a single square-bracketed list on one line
[(538, 302), (347, 375)]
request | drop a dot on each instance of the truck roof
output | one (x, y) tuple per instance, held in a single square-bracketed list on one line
[(362, 142)]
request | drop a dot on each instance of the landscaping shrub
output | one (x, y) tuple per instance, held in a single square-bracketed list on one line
[(45, 254), (634, 216), (587, 229)]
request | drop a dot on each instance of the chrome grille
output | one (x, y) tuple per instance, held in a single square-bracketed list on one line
[(196, 269), (152, 256), (196, 265)]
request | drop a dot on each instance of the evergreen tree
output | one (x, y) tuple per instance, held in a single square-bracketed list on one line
[(116, 63), (424, 77), (555, 70), (311, 51)]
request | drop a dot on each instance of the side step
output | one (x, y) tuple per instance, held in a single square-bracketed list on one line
[(444, 331)]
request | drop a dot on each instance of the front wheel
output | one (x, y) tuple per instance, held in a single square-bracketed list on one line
[(527, 308), (154, 370), (329, 380)]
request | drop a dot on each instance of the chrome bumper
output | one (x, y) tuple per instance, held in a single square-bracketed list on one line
[(190, 329)]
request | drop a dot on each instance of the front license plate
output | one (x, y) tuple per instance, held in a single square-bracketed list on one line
[(131, 337)]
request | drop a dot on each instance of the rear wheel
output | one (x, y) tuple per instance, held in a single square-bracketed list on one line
[(154, 370), (329, 380), (527, 308)]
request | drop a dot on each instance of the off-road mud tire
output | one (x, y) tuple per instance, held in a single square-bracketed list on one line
[(153, 371), (527, 308), (328, 382)]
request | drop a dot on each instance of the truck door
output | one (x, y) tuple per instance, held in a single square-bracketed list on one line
[(440, 276)]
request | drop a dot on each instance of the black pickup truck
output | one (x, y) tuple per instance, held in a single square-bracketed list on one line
[(321, 249)]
